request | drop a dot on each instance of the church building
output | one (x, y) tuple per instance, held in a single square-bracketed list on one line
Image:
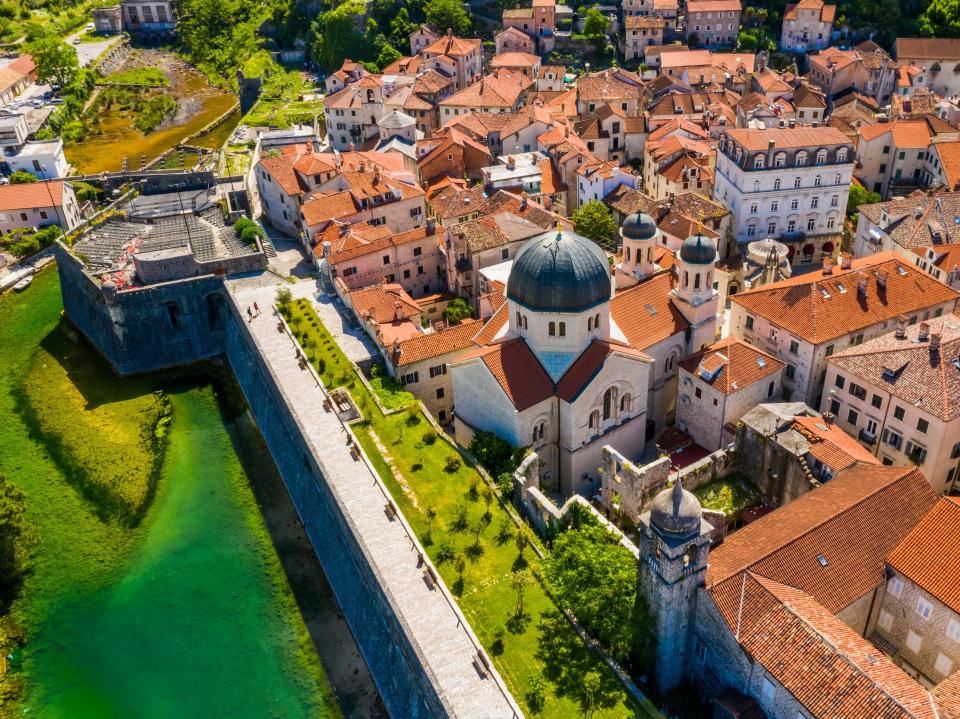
[(563, 367)]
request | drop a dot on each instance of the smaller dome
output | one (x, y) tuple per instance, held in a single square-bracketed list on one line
[(675, 511), (698, 249), (396, 120), (638, 226)]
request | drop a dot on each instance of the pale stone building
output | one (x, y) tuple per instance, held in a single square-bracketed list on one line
[(897, 394), (719, 385), (807, 25), (805, 320)]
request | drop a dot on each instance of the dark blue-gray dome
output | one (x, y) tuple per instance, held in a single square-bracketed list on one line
[(559, 272), (639, 226), (698, 249)]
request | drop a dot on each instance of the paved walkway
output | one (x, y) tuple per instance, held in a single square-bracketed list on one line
[(434, 623)]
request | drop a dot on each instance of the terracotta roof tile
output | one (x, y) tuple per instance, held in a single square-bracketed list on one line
[(930, 555), (947, 696), (755, 140), (517, 370), (31, 195), (831, 445), (588, 364), (498, 320), (878, 505), (928, 48), (815, 308), (384, 303), (645, 313), (437, 344), (742, 365)]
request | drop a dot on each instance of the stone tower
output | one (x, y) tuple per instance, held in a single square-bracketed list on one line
[(674, 543), (694, 292)]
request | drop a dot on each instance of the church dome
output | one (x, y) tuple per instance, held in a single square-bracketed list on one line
[(698, 249), (559, 272), (638, 226), (675, 511)]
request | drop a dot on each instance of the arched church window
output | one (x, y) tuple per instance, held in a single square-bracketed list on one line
[(686, 278), (625, 403), (589, 324), (609, 402), (524, 322), (628, 254), (552, 329), (649, 254), (594, 420), (563, 329), (690, 556), (696, 281), (596, 320), (519, 320), (543, 426)]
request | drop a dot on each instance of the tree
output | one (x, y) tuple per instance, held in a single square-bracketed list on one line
[(860, 196), (537, 694), (460, 564), (595, 24), (401, 27), (445, 14), (496, 455), (388, 55), (595, 221), (591, 685), (22, 177), (13, 534), (941, 19), (519, 582), (431, 515), (457, 311), (693, 40), (56, 61), (335, 36), (595, 578), (476, 529)]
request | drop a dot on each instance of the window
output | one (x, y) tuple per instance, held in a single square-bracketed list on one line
[(625, 402), (898, 413), (885, 620), (386, 259), (853, 416), (794, 347), (924, 608), (563, 329), (439, 392), (594, 420), (796, 183), (944, 664), (829, 351), (842, 154), (438, 370), (699, 650), (857, 391), (821, 157), (411, 378), (758, 162), (609, 400), (834, 407), (811, 225), (916, 452), (749, 322), (505, 254), (815, 203), (914, 641), (895, 586), (552, 329), (774, 206), (953, 630), (698, 393), (776, 184), (753, 208), (816, 181), (839, 381), (834, 201), (801, 157), (772, 227), (794, 204), (770, 390), (791, 371), (922, 425), (417, 251), (876, 401)]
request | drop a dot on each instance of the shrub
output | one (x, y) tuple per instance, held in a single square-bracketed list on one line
[(22, 177), (429, 437), (496, 455), (452, 464)]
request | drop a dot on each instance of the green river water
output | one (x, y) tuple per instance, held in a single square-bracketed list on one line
[(190, 614)]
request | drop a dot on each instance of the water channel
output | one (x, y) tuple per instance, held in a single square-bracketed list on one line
[(190, 614)]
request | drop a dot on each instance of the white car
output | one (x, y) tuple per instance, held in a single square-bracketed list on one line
[(91, 27)]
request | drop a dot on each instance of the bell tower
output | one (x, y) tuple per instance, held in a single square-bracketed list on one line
[(694, 292), (638, 238), (674, 543)]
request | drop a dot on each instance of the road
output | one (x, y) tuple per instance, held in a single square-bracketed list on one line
[(87, 52)]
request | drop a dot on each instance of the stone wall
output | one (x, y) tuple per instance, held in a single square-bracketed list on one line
[(405, 687), (627, 487), (134, 332)]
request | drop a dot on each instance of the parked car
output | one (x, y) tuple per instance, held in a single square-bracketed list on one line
[(91, 27)]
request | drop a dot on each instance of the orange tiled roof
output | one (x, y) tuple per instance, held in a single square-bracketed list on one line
[(741, 365), (384, 303), (517, 370), (930, 555), (588, 364), (47, 193), (437, 344), (906, 133), (814, 307), (491, 329), (831, 445), (829, 668), (645, 313), (947, 696), (878, 505), (806, 137)]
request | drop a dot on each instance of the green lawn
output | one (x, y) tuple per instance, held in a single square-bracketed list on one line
[(540, 642), (279, 104), (146, 76), (731, 494)]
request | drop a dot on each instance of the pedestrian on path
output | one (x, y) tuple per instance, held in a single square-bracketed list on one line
[(256, 308), (249, 315)]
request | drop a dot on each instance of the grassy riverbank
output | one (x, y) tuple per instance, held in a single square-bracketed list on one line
[(443, 499), (188, 614)]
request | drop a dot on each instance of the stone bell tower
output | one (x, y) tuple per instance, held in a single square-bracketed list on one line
[(674, 543)]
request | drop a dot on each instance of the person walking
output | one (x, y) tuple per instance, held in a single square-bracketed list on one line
[(256, 308), (249, 315)]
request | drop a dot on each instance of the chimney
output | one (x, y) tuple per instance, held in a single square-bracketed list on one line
[(924, 334), (363, 165), (846, 259), (934, 341), (917, 212), (511, 163), (523, 201), (862, 286), (901, 332), (827, 266), (376, 175), (793, 123), (882, 281), (547, 202)]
